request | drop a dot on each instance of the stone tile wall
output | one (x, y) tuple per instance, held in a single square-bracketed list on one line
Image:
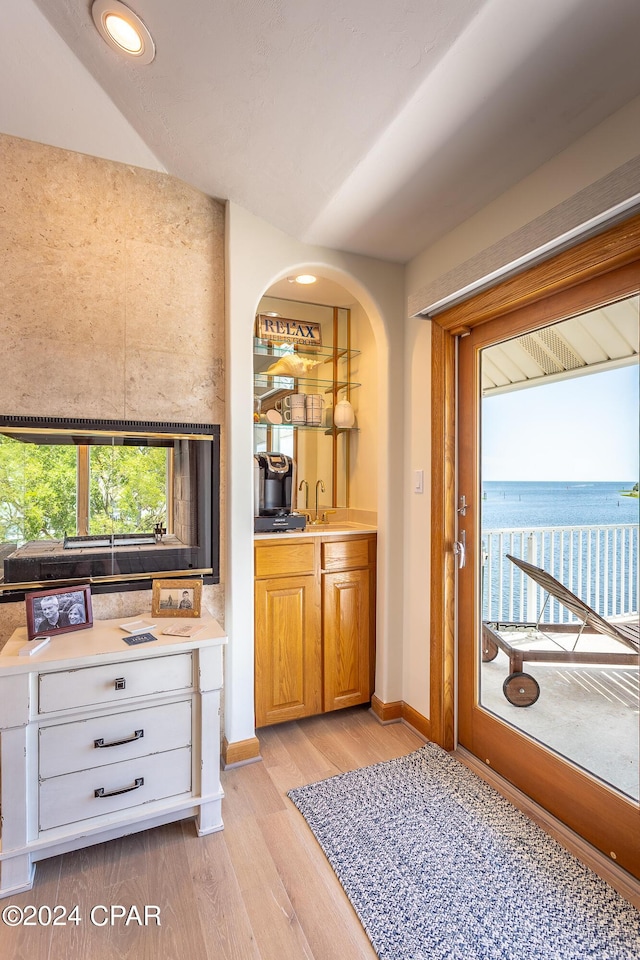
[(111, 304)]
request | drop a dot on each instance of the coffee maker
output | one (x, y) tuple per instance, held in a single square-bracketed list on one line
[(274, 481)]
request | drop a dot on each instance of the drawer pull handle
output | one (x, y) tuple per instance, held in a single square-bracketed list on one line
[(139, 782), (116, 743), (120, 683)]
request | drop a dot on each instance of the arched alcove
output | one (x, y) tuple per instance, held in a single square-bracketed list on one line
[(259, 257), (345, 463)]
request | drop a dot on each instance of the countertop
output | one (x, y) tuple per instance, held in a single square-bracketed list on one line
[(319, 530), (105, 640)]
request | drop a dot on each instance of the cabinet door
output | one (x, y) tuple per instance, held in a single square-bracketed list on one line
[(347, 638), (288, 656)]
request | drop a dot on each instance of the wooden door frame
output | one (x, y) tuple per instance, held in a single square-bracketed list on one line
[(576, 281)]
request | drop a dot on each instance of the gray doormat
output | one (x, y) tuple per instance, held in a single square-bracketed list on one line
[(439, 866)]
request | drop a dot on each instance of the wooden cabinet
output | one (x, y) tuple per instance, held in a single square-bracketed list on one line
[(346, 638), (99, 739), (288, 660), (314, 625)]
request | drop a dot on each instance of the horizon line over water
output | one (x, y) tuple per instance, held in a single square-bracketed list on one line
[(568, 483), (549, 503)]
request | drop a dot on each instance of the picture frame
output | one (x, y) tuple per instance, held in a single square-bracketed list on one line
[(176, 598), (59, 610)]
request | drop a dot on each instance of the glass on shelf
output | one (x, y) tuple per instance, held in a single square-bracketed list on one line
[(270, 348), (325, 428), (266, 381)]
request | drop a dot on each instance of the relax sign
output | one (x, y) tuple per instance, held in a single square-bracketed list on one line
[(279, 328)]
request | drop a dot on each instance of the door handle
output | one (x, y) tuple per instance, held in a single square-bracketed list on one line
[(460, 549)]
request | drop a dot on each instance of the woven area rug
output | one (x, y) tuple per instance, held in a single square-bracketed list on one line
[(438, 865)]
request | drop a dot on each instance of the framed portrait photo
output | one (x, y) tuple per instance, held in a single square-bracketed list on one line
[(59, 610), (176, 598)]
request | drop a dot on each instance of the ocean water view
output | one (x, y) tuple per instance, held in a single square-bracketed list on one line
[(584, 533), (552, 503)]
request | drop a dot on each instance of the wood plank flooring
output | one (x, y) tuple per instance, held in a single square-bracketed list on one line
[(259, 890)]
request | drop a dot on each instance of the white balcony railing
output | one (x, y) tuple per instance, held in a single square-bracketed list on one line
[(599, 564)]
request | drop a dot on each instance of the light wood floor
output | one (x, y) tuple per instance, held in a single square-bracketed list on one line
[(259, 890)]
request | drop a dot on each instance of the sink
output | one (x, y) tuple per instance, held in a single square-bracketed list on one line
[(340, 525), (336, 526)]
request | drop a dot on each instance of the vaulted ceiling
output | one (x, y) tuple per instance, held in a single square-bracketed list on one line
[(365, 125)]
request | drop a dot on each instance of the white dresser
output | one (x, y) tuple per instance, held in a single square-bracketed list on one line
[(99, 739)]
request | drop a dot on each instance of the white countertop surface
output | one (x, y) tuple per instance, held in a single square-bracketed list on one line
[(105, 639)]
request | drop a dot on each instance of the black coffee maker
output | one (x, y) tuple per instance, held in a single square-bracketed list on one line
[(274, 478)]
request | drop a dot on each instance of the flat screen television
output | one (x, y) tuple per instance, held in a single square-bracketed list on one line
[(107, 502)]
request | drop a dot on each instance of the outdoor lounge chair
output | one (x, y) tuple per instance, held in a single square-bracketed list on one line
[(521, 689)]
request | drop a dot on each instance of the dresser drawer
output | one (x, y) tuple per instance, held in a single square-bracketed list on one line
[(345, 554), (114, 682), (68, 747), (282, 559), (126, 785)]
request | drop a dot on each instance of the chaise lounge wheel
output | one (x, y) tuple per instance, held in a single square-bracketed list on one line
[(489, 649), (521, 689)]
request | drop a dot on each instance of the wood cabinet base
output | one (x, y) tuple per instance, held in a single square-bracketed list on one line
[(314, 625)]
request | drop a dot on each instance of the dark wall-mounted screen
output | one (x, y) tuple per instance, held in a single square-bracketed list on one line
[(105, 501)]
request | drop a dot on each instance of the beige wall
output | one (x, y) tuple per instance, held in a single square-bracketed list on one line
[(365, 447), (417, 516), (592, 159), (112, 303)]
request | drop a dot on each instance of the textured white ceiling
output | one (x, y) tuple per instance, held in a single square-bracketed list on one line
[(365, 125)]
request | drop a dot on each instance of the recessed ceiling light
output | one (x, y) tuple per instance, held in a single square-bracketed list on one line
[(306, 278), (123, 30)]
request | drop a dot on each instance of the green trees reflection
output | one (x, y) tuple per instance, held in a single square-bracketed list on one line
[(39, 490), (127, 489)]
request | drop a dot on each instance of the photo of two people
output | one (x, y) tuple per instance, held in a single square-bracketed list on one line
[(58, 611)]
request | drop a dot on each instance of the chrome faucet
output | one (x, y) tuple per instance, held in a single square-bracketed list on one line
[(319, 484), (303, 483)]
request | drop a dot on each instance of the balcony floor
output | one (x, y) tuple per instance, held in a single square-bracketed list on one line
[(588, 714)]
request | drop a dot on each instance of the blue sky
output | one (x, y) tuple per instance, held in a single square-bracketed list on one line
[(586, 428)]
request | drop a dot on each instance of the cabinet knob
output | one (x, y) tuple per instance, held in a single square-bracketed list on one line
[(120, 683)]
